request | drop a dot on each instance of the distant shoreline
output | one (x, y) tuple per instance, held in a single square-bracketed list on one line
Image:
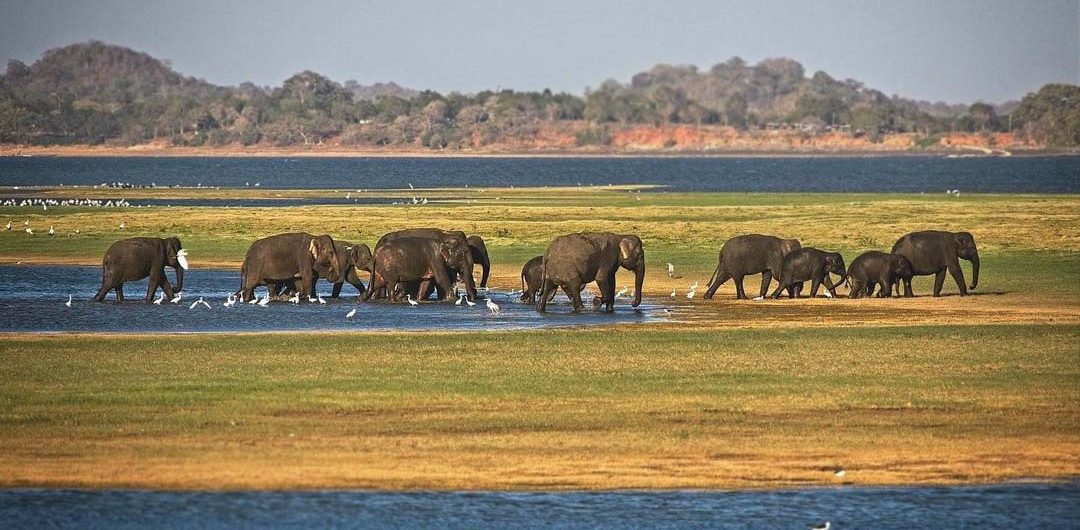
[(14, 151)]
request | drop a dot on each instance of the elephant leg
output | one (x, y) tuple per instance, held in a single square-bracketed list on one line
[(547, 292), (827, 280), (939, 282), (106, 286), (958, 276), (908, 293), (740, 294), (163, 282), (779, 288), (443, 281), (374, 285), (355, 281), (856, 286), (151, 287), (336, 291), (815, 283), (766, 279), (573, 290), (119, 293), (718, 279)]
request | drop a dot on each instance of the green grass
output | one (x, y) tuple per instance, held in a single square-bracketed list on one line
[(781, 398)]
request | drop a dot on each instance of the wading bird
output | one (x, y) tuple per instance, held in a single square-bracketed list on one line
[(622, 292), (176, 299), (408, 298), (351, 314), (823, 526), (493, 307), (462, 297), (161, 299), (671, 271), (295, 298), (321, 301), (264, 301), (68, 303), (198, 302)]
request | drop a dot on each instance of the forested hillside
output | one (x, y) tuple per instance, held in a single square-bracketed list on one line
[(95, 93)]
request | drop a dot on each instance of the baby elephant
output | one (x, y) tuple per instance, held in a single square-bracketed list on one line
[(813, 265), (878, 269), (532, 276)]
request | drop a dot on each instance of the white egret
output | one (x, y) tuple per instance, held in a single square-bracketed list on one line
[(460, 298), (52, 232), (351, 314), (26, 222), (161, 299), (9, 225), (470, 303), (673, 293), (295, 298), (68, 303), (123, 225), (312, 300), (321, 301), (840, 473), (77, 231), (622, 292), (30, 231), (254, 300), (671, 270), (176, 299), (408, 298), (264, 301), (198, 302), (493, 307), (823, 526), (691, 294)]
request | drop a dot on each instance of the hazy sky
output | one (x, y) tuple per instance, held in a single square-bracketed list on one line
[(957, 51)]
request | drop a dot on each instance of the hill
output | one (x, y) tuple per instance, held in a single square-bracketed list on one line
[(94, 93)]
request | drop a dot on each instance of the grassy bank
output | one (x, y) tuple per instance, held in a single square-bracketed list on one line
[(543, 410)]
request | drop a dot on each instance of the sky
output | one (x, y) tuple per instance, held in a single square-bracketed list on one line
[(957, 51)]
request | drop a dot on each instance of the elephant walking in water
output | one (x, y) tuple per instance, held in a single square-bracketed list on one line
[(453, 241), (133, 259), (934, 252), (751, 254), (404, 261), (573, 260), (294, 257)]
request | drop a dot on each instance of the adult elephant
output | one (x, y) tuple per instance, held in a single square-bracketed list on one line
[(573, 260), (406, 260), (133, 259), (351, 259), (480, 257), (879, 270), (297, 257), (934, 252), (751, 254), (454, 241)]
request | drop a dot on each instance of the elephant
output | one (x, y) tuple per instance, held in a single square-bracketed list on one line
[(453, 240), (403, 260), (133, 259), (877, 269), (934, 252), (573, 260), (751, 254), (294, 256), (532, 276), (351, 260), (480, 257), (810, 264)]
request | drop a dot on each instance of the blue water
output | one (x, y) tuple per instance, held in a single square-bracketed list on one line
[(1015, 506), (32, 300), (931, 174), (222, 203)]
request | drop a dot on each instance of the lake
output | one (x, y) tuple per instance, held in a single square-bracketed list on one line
[(1008, 506), (32, 300), (895, 174)]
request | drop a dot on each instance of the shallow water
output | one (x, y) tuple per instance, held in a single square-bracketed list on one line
[(32, 299), (232, 203), (910, 174), (1013, 506)]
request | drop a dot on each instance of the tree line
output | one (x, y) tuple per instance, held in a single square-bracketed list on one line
[(93, 93)]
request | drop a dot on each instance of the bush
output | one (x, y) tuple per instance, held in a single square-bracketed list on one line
[(593, 136)]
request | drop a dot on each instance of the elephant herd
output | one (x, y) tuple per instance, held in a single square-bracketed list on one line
[(415, 264)]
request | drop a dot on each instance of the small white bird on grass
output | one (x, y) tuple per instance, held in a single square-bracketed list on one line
[(673, 293), (199, 302), (9, 225), (26, 222), (52, 232), (840, 473), (671, 271), (493, 307), (68, 303), (30, 231), (160, 299), (408, 298), (123, 225)]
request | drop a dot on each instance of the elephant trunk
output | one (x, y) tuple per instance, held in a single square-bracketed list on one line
[(470, 285), (975, 270), (843, 279), (179, 279), (639, 280)]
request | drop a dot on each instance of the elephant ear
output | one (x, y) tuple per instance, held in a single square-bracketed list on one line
[(313, 249), (626, 248)]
